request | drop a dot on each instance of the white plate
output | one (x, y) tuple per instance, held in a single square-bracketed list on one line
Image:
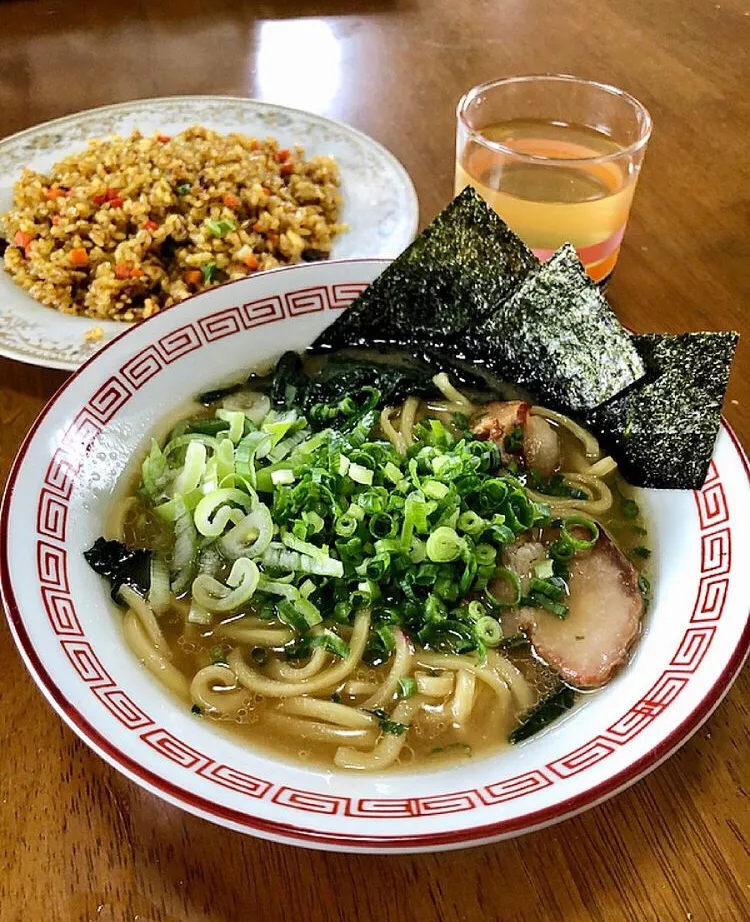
[(694, 642), (380, 204)]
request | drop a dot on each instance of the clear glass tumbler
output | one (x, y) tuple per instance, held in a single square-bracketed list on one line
[(558, 158)]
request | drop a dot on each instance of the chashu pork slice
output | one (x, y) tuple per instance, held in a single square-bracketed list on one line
[(605, 610)]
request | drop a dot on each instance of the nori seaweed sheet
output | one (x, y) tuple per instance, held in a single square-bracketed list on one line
[(465, 263), (662, 431), (558, 338)]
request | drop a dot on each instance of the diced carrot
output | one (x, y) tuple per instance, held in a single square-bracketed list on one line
[(231, 201), (116, 202), (286, 169), (123, 271), (22, 239), (56, 193), (250, 261), (136, 272), (266, 191), (256, 227), (150, 225), (274, 238), (282, 155), (100, 199), (193, 276), (112, 194), (55, 218), (163, 138), (79, 257), (253, 144)]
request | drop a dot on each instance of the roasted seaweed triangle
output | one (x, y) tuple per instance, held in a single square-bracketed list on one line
[(558, 338), (662, 431), (465, 263)]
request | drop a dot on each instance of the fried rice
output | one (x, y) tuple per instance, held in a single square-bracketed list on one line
[(133, 225)]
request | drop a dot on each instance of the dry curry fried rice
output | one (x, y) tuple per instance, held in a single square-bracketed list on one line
[(134, 225)]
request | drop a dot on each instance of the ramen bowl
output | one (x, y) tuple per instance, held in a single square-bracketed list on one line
[(694, 641)]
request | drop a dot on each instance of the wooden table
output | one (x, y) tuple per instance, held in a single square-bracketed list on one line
[(78, 841)]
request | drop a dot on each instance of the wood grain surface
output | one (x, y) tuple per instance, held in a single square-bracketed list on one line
[(80, 842)]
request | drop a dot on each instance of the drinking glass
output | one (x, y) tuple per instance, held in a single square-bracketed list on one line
[(558, 159)]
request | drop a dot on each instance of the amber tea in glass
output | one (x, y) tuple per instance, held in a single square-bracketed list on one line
[(558, 159)]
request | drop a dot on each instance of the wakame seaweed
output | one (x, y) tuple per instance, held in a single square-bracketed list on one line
[(120, 565), (344, 386), (558, 338), (548, 710), (456, 272), (662, 431)]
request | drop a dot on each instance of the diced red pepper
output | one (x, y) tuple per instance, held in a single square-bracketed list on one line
[(253, 144), (112, 194), (136, 272), (163, 138), (286, 169), (22, 239), (122, 271), (100, 199), (150, 225), (282, 155), (231, 201), (116, 202)]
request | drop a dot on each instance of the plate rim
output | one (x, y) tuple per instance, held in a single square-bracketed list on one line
[(409, 188), (299, 835)]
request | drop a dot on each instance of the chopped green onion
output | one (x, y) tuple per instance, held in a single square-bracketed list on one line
[(360, 474), (577, 522), (544, 569), (512, 586), (444, 545), (488, 631), (282, 477)]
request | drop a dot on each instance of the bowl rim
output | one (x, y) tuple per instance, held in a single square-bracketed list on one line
[(297, 834)]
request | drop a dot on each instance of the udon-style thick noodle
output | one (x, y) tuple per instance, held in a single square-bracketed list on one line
[(371, 583)]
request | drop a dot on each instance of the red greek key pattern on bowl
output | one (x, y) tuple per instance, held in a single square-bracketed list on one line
[(518, 786), (716, 552), (307, 301), (51, 564), (82, 433), (51, 516), (259, 313), (142, 367), (236, 780), (110, 397), (166, 744), (712, 505), (179, 342), (632, 723), (122, 707), (693, 647), (61, 612), (217, 326), (310, 801), (341, 296), (583, 758), (711, 598), (61, 473), (86, 663)]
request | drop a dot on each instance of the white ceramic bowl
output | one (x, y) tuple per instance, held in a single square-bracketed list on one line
[(695, 639)]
